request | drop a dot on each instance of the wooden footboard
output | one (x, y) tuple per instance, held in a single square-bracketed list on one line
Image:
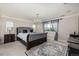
[(34, 43), (22, 41), (36, 39)]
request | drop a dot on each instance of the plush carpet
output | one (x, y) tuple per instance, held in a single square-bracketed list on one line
[(12, 49)]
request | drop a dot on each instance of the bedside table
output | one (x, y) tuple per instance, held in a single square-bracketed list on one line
[(9, 38)]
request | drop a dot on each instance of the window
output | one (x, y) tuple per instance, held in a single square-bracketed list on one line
[(9, 26), (47, 26), (51, 25)]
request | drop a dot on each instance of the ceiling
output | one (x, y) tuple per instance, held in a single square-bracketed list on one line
[(45, 10)]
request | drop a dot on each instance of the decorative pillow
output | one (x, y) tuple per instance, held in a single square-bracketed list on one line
[(24, 31), (31, 30)]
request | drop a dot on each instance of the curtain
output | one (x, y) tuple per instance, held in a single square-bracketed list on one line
[(51, 26)]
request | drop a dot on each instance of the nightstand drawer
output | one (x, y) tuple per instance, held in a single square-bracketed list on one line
[(9, 38)]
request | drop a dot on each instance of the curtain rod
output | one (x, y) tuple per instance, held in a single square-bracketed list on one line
[(52, 20)]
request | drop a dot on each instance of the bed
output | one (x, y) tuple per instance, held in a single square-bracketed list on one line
[(29, 38)]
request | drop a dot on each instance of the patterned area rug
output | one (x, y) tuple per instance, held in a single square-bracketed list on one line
[(46, 49)]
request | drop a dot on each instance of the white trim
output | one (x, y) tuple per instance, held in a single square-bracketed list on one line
[(4, 16), (70, 15)]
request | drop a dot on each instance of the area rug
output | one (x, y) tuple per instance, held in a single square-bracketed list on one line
[(47, 49)]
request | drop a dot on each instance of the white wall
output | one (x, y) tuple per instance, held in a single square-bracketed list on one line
[(67, 26)]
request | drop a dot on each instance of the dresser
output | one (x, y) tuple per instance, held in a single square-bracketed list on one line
[(73, 45), (9, 38)]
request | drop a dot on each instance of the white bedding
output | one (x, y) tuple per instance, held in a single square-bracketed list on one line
[(23, 36)]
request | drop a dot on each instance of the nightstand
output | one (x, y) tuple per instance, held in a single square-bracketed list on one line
[(9, 38)]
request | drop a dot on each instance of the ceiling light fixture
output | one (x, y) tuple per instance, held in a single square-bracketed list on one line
[(66, 3)]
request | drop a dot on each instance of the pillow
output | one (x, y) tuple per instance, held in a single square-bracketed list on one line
[(24, 31), (31, 30)]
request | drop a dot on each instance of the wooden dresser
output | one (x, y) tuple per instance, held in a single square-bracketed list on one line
[(9, 38), (73, 45)]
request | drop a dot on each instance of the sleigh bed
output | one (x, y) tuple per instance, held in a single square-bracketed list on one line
[(29, 38)]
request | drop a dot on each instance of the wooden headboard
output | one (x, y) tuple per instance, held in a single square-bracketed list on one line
[(23, 30)]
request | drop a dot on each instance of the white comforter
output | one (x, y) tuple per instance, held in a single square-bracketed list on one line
[(23, 36)]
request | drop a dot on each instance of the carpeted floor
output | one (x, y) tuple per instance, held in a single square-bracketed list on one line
[(12, 49)]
